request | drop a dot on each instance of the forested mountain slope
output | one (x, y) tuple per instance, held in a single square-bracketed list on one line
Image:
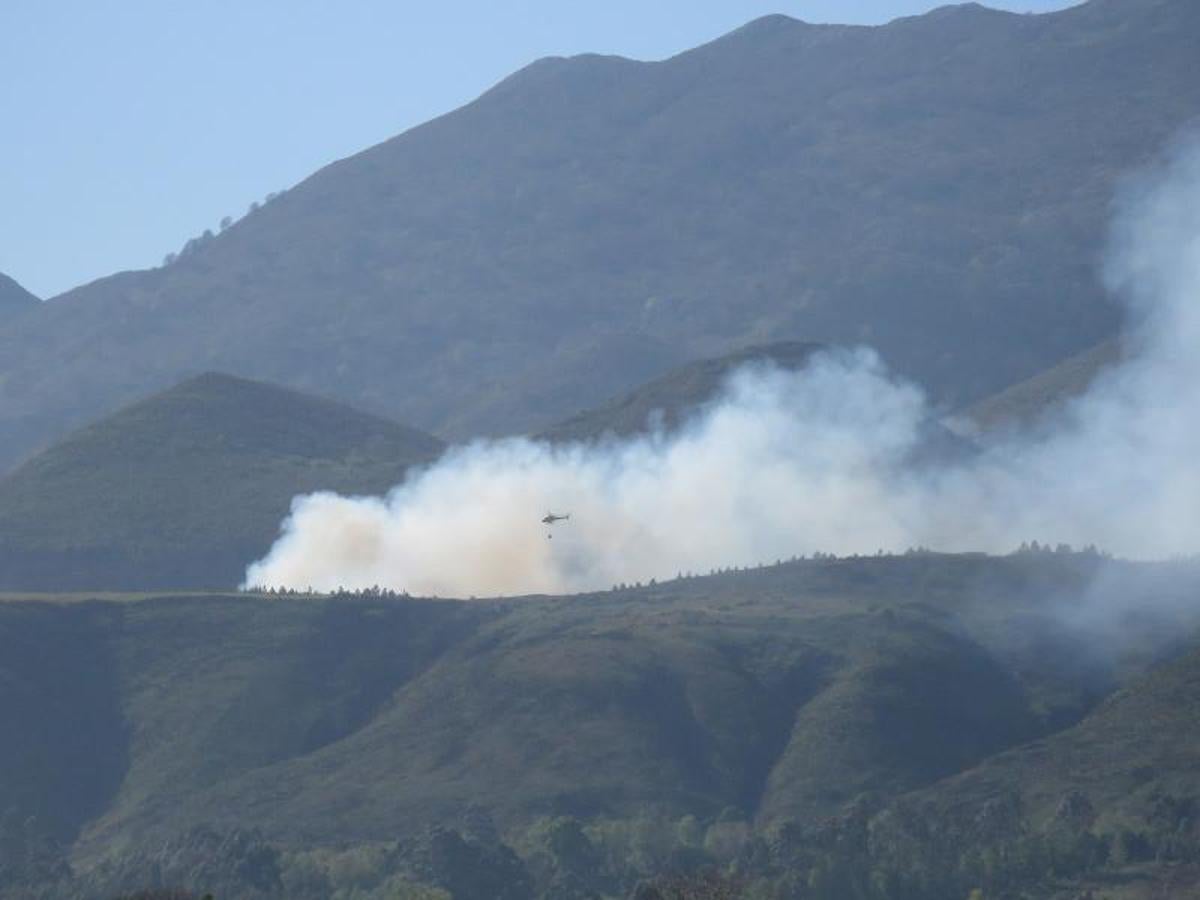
[(787, 692), (1139, 748), (1107, 808), (938, 187)]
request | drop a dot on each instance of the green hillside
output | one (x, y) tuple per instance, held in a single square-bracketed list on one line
[(184, 489), (938, 187), (1108, 808), (789, 694), (1140, 745)]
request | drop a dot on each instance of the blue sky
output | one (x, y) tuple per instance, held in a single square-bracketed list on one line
[(132, 125)]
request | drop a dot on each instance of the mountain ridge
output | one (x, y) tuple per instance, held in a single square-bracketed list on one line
[(14, 299), (878, 185), (668, 401), (1030, 402)]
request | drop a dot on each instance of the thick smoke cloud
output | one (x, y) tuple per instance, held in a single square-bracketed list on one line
[(821, 460)]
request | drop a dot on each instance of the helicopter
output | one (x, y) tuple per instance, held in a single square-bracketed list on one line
[(549, 519)]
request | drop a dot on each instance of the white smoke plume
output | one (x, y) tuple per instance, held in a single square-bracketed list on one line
[(819, 460)]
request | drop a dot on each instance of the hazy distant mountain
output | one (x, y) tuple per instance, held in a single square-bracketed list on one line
[(938, 187), (1027, 401), (14, 299), (668, 400), (188, 487)]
